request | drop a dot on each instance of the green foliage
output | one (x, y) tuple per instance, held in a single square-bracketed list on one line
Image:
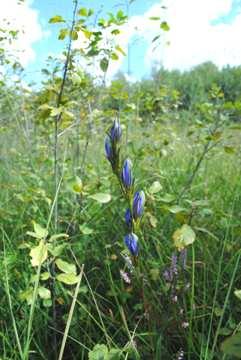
[(183, 131), (232, 346)]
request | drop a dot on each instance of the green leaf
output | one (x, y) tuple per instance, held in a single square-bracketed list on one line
[(45, 276), (56, 19), (104, 63), (44, 293), (56, 111), (101, 198), (63, 33), (154, 18), (76, 185), (27, 295), (66, 267), (168, 198), (114, 56), (237, 293), (56, 250), (183, 237), (85, 229), (155, 187), (115, 32), (74, 35), (118, 48), (83, 12), (47, 303), (175, 209), (232, 345), (100, 352), (229, 149), (114, 354), (58, 236), (164, 26), (39, 254), (69, 279), (39, 231)]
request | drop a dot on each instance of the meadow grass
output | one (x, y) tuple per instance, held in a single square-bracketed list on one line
[(104, 309)]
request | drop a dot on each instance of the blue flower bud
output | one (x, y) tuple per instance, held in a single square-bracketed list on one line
[(115, 131), (138, 204), (108, 149), (131, 241), (126, 175), (128, 218)]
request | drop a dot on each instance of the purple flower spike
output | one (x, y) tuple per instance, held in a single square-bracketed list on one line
[(108, 149), (128, 218), (126, 175), (138, 204), (131, 241), (115, 131)]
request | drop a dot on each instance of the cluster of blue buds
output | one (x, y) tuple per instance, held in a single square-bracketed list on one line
[(125, 175)]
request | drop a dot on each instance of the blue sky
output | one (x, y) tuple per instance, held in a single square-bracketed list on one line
[(50, 45), (200, 30)]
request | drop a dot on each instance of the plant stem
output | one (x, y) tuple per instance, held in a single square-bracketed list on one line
[(70, 315), (56, 176)]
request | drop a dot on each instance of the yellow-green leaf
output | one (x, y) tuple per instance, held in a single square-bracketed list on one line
[(237, 293), (69, 279), (65, 266), (44, 293), (56, 19), (101, 197), (155, 187), (183, 237), (39, 254), (39, 231)]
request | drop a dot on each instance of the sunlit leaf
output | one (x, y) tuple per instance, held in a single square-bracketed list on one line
[(44, 293), (39, 231), (99, 352), (183, 237), (237, 293), (69, 279), (101, 197), (85, 229), (164, 26), (56, 19), (39, 254), (155, 187), (65, 266)]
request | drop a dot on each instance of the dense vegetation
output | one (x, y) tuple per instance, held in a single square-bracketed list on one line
[(70, 286)]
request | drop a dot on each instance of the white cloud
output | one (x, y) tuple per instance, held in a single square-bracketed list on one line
[(195, 36), (22, 17)]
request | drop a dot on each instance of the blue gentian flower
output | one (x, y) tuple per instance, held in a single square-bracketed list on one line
[(131, 241), (126, 175), (128, 218), (115, 131), (138, 204), (108, 149)]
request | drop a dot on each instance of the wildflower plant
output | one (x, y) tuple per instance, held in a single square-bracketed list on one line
[(123, 170)]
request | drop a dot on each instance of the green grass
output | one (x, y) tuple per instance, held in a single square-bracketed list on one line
[(107, 311)]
